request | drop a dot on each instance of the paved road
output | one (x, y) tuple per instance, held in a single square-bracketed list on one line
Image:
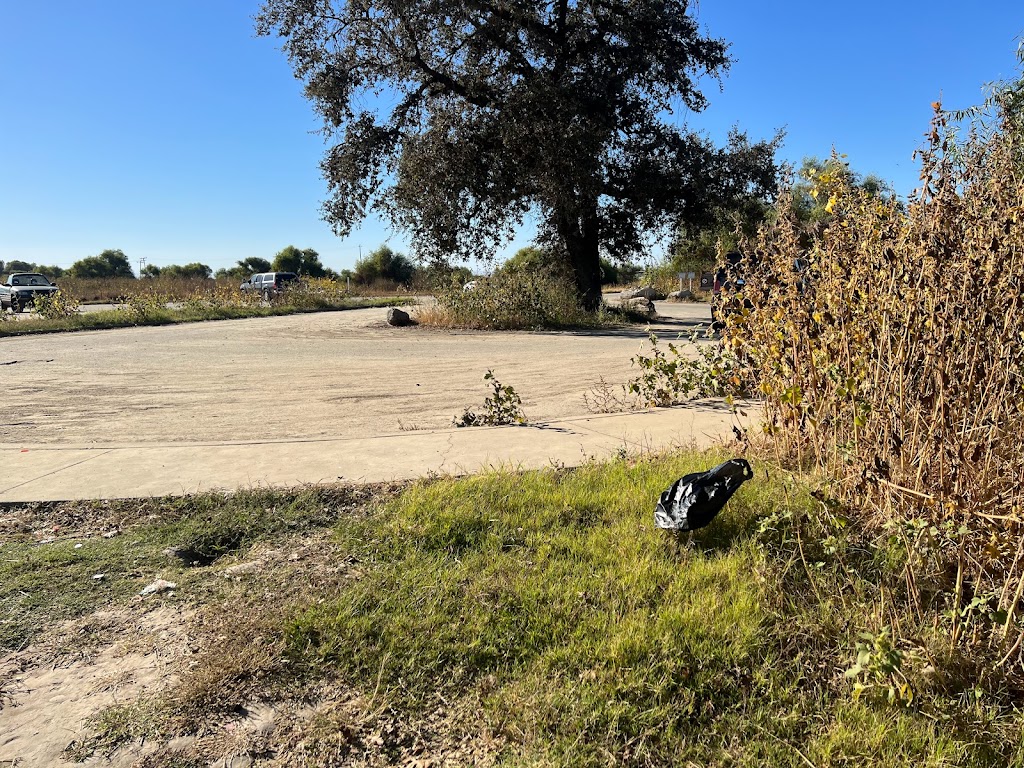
[(84, 309), (349, 394)]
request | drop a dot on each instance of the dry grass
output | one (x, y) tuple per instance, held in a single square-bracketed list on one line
[(110, 290), (206, 302), (894, 367), (180, 289)]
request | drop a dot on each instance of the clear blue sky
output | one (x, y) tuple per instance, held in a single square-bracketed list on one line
[(168, 130)]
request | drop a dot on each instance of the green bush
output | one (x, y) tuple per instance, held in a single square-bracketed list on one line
[(503, 407), (56, 305), (512, 299), (670, 378)]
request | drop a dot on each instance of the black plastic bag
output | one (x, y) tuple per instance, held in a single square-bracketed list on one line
[(693, 501)]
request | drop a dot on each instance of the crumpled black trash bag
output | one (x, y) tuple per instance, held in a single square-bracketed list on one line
[(693, 501)]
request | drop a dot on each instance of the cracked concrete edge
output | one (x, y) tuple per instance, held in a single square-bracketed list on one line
[(180, 469)]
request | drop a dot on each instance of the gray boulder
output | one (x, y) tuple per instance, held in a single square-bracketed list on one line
[(640, 304), (681, 296), (648, 292), (398, 318)]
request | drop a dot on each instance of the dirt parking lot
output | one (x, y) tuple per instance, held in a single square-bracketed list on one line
[(316, 375)]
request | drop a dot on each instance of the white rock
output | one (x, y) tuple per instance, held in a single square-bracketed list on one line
[(157, 586)]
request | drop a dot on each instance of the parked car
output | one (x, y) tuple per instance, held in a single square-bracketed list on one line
[(269, 284), (19, 290)]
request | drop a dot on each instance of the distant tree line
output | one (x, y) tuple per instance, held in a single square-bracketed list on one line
[(195, 270), (110, 263), (381, 266), (17, 265)]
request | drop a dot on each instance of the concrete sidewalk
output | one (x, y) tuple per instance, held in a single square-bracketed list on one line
[(106, 471)]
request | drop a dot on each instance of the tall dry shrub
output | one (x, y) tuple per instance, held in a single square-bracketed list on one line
[(894, 364), (508, 300)]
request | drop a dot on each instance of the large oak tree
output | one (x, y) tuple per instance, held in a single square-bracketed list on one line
[(457, 119)]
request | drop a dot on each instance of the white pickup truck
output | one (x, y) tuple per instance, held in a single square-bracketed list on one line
[(20, 289)]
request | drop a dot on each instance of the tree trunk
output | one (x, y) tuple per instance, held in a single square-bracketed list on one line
[(583, 249)]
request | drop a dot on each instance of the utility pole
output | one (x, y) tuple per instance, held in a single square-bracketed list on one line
[(142, 263)]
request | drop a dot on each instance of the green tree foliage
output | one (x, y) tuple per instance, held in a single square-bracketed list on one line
[(254, 265), (245, 268), (618, 274), (696, 246), (305, 262), (110, 263), (1001, 111), (150, 271), (17, 265), (384, 265), (193, 271), (812, 209), (530, 258), (507, 107)]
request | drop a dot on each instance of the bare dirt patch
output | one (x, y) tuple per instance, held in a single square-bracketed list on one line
[(52, 689)]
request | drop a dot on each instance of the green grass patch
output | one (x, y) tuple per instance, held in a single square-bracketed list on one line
[(548, 606), (588, 639), (115, 318)]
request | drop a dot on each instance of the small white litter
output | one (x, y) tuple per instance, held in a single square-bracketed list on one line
[(158, 586)]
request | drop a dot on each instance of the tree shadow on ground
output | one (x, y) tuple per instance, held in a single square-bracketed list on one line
[(660, 326)]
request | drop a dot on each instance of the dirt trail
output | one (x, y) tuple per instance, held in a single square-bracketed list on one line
[(327, 374)]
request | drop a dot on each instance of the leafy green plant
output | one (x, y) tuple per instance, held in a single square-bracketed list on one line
[(671, 374), (503, 406), (879, 668), (141, 307), (56, 305)]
